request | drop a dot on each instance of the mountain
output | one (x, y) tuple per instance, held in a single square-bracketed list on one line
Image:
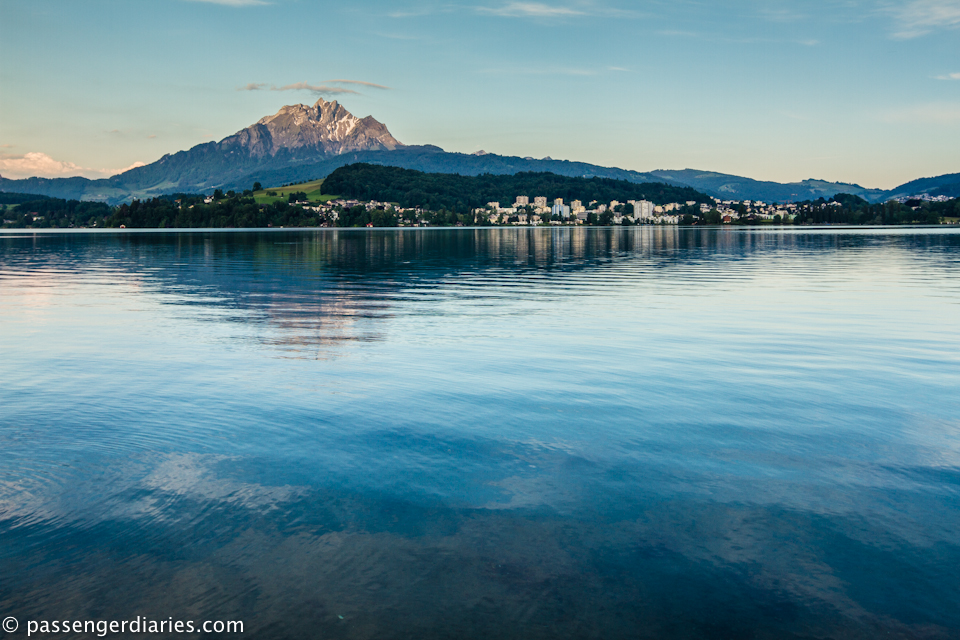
[(946, 185), (728, 187), (295, 135), (302, 142)]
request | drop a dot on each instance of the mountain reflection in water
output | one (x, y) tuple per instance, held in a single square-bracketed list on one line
[(519, 433)]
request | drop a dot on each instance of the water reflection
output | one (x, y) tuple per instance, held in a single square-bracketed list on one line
[(653, 432)]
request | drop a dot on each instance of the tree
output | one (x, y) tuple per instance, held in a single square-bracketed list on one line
[(257, 186)]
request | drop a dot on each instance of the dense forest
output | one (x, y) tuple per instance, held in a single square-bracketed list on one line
[(177, 211), (31, 210), (461, 194)]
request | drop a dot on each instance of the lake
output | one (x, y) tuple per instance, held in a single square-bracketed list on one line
[(646, 432)]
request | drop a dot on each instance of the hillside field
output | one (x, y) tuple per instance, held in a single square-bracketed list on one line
[(312, 189)]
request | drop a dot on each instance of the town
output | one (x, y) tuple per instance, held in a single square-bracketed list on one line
[(541, 211)]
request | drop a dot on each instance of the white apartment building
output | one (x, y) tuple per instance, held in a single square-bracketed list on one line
[(522, 201), (560, 209), (643, 209), (540, 202)]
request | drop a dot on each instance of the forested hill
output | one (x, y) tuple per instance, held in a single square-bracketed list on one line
[(19, 198), (452, 192)]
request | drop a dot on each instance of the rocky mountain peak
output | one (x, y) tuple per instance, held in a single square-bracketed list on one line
[(326, 128)]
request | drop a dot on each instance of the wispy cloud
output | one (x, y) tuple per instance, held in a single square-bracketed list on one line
[(939, 113), (319, 89), (234, 3), (324, 88), (919, 17), (313, 88), (358, 82), (530, 10), (37, 164), (949, 76), (525, 9)]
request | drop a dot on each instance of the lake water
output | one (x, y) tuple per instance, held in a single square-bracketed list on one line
[(652, 432)]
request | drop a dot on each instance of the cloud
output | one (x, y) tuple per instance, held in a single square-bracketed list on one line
[(419, 13), (949, 76), (530, 10), (920, 17), (133, 166), (298, 86), (938, 113), (37, 164), (323, 88), (359, 82), (314, 88)]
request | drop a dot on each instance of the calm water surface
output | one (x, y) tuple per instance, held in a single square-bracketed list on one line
[(499, 433)]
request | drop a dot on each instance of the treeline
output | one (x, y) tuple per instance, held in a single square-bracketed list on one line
[(40, 212), (223, 213), (179, 211), (854, 210), (461, 194), (19, 198)]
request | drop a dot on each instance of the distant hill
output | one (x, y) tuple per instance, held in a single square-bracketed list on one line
[(302, 142), (728, 187), (461, 193), (946, 185), (19, 198)]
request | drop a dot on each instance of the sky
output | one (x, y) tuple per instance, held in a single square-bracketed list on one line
[(863, 91)]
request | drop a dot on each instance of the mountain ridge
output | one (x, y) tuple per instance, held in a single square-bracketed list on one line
[(302, 142)]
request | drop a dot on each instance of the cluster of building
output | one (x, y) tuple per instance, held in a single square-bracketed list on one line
[(331, 209), (923, 196), (523, 211), (731, 210), (539, 210)]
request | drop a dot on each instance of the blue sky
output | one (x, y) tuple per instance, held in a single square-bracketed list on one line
[(862, 91)]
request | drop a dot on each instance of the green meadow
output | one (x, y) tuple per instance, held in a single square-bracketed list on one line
[(312, 189)]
